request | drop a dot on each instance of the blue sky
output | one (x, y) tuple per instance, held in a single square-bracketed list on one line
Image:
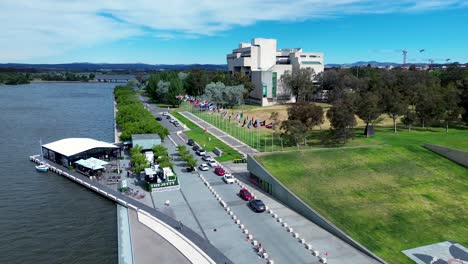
[(204, 31)]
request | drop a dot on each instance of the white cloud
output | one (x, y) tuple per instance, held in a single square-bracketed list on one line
[(51, 27)]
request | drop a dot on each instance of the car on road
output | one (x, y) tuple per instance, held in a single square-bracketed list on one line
[(245, 194), (159, 118), (227, 173), (201, 152), (171, 120), (203, 167), (190, 142), (190, 169), (228, 178), (176, 124), (257, 205), (196, 147), (206, 158), (212, 163), (164, 113), (219, 171)]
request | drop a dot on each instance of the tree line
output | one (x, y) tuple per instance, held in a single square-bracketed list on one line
[(13, 78), (133, 118), (417, 98), (67, 76), (215, 86)]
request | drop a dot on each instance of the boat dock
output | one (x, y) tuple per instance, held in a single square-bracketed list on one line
[(184, 242)]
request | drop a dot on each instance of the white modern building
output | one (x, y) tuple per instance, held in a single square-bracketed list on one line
[(265, 64)]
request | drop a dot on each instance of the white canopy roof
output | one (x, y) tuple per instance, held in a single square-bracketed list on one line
[(71, 146)]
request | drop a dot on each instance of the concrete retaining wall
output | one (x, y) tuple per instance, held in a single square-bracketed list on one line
[(281, 192), (457, 156)]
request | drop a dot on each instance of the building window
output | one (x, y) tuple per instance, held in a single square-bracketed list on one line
[(273, 81), (311, 62), (264, 90), (303, 56)]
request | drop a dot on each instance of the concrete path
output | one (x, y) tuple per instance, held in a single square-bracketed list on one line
[(124, 236), (221, 135), (150, 247)]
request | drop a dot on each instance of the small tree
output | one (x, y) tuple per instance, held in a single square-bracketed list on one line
[(294, 131), (368, 108), (449, 109), (138, 159), (159, 150), (191, 162), (342, 121)]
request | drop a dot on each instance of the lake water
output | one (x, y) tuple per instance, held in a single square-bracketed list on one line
[(45, 218)]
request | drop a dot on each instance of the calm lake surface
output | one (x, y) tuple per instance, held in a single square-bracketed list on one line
[(45, 218)]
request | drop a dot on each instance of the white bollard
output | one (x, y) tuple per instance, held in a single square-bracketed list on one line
[(275, 215), (227, 209), (280, 220), (265, 255), (234, 217), (249, 236), (323, 260), (167, 202), (231, 213), (255, 242), (295, 234), (241, 226), (285, 224), (308, 246), (237, 221), (302, 241), (290, 229), (266, 207), (270, 261), (315, 252), (270, 211), (246, 231)]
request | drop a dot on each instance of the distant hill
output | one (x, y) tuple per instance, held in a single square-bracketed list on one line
[(84, 66), (364, 63)]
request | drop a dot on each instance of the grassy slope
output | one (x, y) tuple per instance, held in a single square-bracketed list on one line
[(389, 198), (202, 138)]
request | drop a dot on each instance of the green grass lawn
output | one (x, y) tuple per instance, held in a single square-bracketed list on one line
[(392, 197), (207, 140)]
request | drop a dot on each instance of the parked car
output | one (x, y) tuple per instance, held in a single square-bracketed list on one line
[(176, 124), (227, 173), (201, 152), (228, 178), (219, 171), (190, 142), (159, 118), (245, 194), (168, 117), (196, 147), (190, 169), (172, 120), (206, 158), (203, 167), (212, 163), (257, 205), (164, 113)]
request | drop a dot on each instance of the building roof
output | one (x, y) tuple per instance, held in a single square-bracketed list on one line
[(92, 163), (146, 141), (71, 146)]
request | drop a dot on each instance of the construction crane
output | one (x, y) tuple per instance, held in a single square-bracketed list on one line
[(431, 61), (405, 52), (402, 51)]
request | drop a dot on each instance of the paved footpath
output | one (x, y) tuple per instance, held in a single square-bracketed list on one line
[(221, 135)]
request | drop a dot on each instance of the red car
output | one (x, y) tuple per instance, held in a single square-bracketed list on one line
[(245, 194), (220, 171)]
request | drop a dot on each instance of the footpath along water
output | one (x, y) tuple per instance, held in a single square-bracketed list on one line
[(45, 219)]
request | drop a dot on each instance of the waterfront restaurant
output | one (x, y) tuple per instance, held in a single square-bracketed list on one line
[(69, 150)]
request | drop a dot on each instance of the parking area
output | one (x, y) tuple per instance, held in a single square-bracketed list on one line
[(196, 206)]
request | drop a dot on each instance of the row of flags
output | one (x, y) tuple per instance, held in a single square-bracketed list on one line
[(223, 111)]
